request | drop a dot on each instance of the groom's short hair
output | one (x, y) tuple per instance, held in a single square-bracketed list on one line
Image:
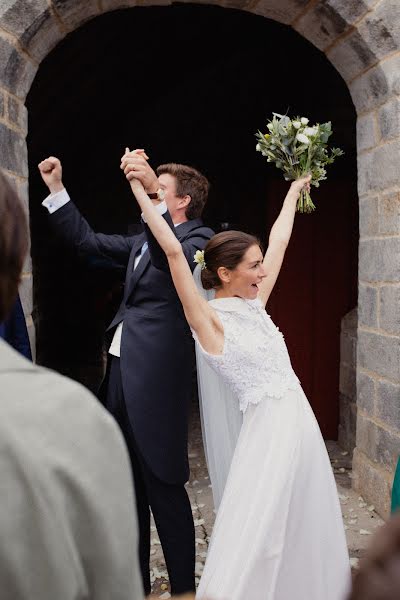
[(191, 182), (13, 244)]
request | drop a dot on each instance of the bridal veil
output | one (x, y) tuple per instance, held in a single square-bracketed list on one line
[(221, 419)]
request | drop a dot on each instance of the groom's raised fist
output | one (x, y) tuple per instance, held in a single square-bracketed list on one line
[(51, 172)]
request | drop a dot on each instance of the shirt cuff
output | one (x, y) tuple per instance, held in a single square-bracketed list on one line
[(160, 208), (55, 201)]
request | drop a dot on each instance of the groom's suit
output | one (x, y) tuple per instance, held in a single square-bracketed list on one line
[(150, 385)]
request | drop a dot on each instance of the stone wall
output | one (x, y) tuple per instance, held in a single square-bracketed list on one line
[(347, 384), (362, 40), (378, 355)]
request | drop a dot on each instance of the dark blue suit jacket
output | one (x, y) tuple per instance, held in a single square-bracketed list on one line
[(14, 330), (156, 345)]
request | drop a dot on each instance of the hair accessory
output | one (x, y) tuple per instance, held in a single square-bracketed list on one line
[(199, 259)]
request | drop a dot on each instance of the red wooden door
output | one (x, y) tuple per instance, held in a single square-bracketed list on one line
[(316, 288)]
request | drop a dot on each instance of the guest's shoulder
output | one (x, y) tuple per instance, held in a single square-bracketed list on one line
[(32, 396)]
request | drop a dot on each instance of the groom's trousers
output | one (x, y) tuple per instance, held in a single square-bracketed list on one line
[(169, 503)]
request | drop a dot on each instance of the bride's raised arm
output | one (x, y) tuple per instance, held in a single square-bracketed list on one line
[(200, 316), (279, 237)]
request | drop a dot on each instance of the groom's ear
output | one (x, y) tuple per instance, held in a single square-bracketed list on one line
[(224, 274), (185, 201)]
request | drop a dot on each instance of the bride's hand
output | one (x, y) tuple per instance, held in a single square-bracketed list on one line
[(303, 183), (136, 184)]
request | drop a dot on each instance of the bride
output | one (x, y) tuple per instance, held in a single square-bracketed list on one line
[(278, 533)]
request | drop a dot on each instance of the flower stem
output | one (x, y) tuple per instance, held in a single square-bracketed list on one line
[(304, 203)]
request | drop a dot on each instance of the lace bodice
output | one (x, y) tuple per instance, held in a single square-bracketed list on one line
[(255, 362)]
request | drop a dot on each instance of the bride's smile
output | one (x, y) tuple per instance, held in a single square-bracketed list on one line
[(243, 281)]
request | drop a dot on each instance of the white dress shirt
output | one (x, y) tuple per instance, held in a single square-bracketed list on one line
[(55, 201)]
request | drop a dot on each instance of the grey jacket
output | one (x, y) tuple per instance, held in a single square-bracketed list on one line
[(67, 516)]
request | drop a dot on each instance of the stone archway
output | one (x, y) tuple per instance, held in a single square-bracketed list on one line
[(361, 39)]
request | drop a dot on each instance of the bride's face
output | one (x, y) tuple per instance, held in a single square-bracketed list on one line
[(243, 281)]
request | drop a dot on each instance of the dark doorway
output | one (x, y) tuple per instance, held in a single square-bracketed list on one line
[(191, 84)]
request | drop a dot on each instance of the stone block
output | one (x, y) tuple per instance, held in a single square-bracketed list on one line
[(245, 5), (351, 10), (2, 104), (23, 193), (347, 381), (351, 56), (27, 266), (366, 392), (14, 155), (32, 336), (107, 5), (32, 23), (389, 309), (74, 13), (348, 349), (389, 213), (390, 68), (372, 482), (18, 114), (347, 425), (370, 89), (277, 11), (379, 353), (368, 306), (17, 16), (349, 322), (389, 120), (379, 260), (369, 217), (321, 25), (26, 294), (379, 168), (366, 132), (11, 181), (381, 28), (16, 71), (388, 449), (379, 444), (367, 436), (388, 403)]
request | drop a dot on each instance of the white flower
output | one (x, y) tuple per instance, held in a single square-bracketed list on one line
[(304, 121), (296, 124), (303, 138), (258, 148), (310, 131), (199, 259)]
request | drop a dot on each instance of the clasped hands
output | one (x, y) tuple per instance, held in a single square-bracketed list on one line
[(138, 171)]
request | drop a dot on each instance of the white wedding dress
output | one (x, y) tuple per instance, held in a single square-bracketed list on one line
[(278, 533)]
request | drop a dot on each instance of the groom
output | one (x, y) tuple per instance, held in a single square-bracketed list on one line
[(150, 375)]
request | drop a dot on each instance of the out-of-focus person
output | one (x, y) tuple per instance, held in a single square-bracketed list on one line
[(379, 574), (66, 526)]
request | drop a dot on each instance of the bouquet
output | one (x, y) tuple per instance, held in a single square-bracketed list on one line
[(298, 148)]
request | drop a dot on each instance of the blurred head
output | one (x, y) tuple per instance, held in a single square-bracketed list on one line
[(186, 191), (233, 264), (13, 245), (379, 574)]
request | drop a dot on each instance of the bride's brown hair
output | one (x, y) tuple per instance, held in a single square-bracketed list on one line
[(225, 249)]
